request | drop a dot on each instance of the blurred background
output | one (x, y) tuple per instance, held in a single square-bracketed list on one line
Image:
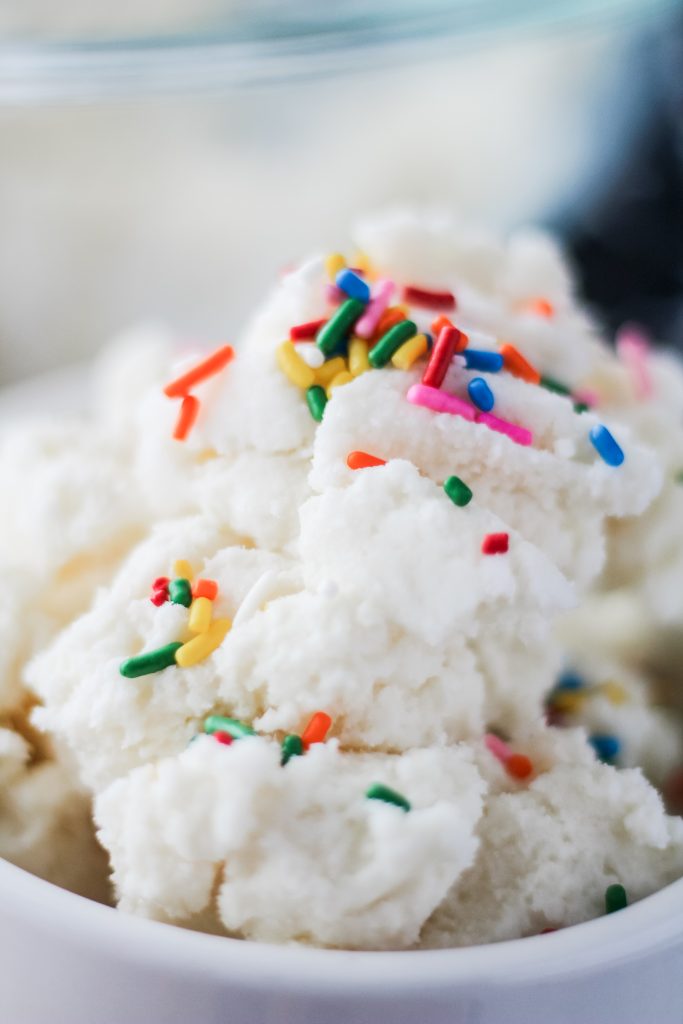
[(163, 159)]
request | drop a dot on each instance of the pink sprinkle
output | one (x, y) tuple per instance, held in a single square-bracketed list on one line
[(498, 748), (520, 435), (440, 401), (587, 396), (382, 292), (334, 295), (633, 346)]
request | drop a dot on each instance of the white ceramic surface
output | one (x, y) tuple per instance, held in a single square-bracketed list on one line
[(67, 961), (64, 960)]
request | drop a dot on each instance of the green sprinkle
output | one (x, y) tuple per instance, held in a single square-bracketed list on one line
[(151, 661), (316, 400), (581, 407), (615, 898), (180, 592), (378, 791), (390, 342), (458, 491), (339, 326), (554, 385), (218, 723), (292, 746)]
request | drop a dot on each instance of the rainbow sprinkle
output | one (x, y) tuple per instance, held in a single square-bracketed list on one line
[(378, 791)]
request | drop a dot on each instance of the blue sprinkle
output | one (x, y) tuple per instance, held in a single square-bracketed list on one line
[(430, 343), (479, 359), (605, 445), (606, 747), (481, 394), (354, 286), (569, 680)]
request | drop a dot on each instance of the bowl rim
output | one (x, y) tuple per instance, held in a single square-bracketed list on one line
[(654, 923)]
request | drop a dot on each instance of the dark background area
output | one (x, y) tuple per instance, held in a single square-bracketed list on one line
[(627, 240)]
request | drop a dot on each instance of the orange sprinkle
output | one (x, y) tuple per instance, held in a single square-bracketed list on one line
[(540, 307), (389, 318), (519, 766), (362, 460), (439, 323), (316, 730), (205, 588), (518, 366), (187, 417), (208, 367)]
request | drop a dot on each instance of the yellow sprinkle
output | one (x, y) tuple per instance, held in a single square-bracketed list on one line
[(329, 370), (201, 611), (358, 356), (182, 569), (293, 366), (405, 356), (207, 454), (614, 692), (569, 702), (342, 378), (200, 647), (333, 264), (361, 261)]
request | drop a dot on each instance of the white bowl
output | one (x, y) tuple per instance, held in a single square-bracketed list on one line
[(66, 960)]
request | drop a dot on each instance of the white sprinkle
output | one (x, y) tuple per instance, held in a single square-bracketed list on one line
[(310, 354)]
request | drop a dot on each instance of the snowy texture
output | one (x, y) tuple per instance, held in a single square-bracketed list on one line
[(549, 851), (295, 852), (364, 594)]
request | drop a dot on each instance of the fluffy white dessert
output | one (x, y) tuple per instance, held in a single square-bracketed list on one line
[(609, 699), (73, 511), (368, 595), (646, 554), (113, 724), (72, 516), (549, 850), (46, 820), (392, 620), (557, 492), (293, 853)]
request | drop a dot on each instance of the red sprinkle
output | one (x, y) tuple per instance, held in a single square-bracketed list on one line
[(519, 766), (187, 417), (449, 341), (223, 737), (363, 460), (495, 543), (208, 367), (547, 931), (205, 588), (159, 597), (427, 297), (316, 730), (307, 331), (161, 582), (518, 366)]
